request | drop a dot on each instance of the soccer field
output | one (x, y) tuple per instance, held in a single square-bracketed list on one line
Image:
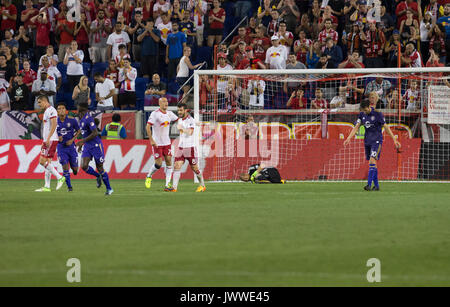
[(234, 234)]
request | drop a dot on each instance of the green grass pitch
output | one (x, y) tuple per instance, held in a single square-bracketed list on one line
[(234, 234)]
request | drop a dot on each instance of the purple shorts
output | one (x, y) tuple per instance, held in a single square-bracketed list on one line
[(67, 155), (373, 151), (95, 151)]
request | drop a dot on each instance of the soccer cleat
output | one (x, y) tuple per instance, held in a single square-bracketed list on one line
[(99, 182), (43, 189), (283, 181), (173, 190), (60, 182), (375, 188), (109, 192), (201, 189), (148, 182), (367, 188), (69, 189), (168, 189)]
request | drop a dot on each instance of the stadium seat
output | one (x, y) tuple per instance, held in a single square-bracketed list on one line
[(68, 100), (137, 65), (86, 68), (173, 87), (205, 55), (99, 67), (141, 85)]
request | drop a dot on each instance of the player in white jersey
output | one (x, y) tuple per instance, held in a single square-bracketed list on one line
[(159, 122), (50, 141), (186, 148)]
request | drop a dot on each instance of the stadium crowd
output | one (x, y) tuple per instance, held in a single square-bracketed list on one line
[(121, 51)]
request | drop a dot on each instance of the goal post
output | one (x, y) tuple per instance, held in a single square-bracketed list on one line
[(297, 120)]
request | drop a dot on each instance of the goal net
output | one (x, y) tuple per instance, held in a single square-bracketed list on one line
[(297, 121)]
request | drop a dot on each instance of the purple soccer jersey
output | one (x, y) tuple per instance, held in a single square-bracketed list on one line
[(94, 147), (373, 137), (67, 129)]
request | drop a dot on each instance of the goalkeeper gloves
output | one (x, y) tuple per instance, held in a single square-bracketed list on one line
[(253, 176)]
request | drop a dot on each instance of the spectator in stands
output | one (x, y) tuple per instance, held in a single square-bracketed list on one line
[(216, 24), (114, 130), (65, 31), (104, 92), (438, 42), (411, 57), (251, 28), (52, 72), (374, 42), (42, 33), (222, 82), (51, 13), (301, 46), (276, 56), (156, 89), (176, 42), (297, 101), (29, 75), (260, 43), (149, 40), (374, 100), (264, 13), (199, 9), (327, 14), (387, 22), (115, 39), (9, 16), (183, 69), (445, 22), (292, 63), (391, 48), (136, 28), (6, 72), (319, 102), (10, 42), (43, 86), (380, 86), (291, 14), (74, 59), (112, 73), (354, 91), (187, 27), (286, 37), (250, 61), (353, 39), (434, 60), (339, 100), (99, 32), (241, 37), (206, 93), (240, 54), (274, 23), (314, 55), (50, 55), (127, 93), (412, 96), (175, 11), (256, 88), (81, 33), (435, 9), (241, 8), (249, 130), (11, 59), (25, 44), (26, 15), (4, 97), (164, 27), (409, 28), (19, 94), (426, 30), (403, 7), (333, 53), (81, 92), (393, 100), (352, 61), (123, 54), (160, 8), (328, 32)]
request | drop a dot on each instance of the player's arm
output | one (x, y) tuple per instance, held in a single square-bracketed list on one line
[(53, 125), (94, 133), (389, 131), (352, 134), (149, 133), (75, 136), (256, 173)]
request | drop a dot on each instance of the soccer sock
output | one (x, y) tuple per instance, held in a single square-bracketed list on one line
[(153, 170), (176, 178), (199, 175), (52, 170), (67, 175), (371, 174), (91, 171), (375, 177), (106, 180), (47, 178), (169, 171)]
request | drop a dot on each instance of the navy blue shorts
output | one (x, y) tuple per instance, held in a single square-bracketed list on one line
[(373, 151), (68, 155), (95, 151)]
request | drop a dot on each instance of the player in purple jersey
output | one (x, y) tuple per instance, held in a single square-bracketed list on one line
[(68, 131), (374, 122), (93, 147)]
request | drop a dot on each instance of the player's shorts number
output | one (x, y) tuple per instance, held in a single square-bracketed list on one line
[(373, 154)]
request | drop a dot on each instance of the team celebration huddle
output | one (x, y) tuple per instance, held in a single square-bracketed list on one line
[(61, 136)]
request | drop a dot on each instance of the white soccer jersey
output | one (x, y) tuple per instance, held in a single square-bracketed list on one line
[(276, 57), (49, 113), (160, 122), (186, 141), (222, 81), (115, 40)]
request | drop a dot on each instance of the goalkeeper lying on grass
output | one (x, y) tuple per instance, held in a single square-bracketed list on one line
[(259, 173)]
